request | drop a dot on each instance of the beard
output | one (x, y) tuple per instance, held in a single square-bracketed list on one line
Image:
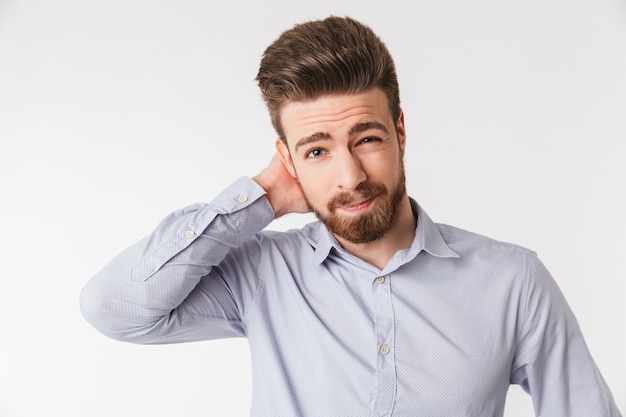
[(373, 224)]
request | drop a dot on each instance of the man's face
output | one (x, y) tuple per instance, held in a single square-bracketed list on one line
[(346, 152)]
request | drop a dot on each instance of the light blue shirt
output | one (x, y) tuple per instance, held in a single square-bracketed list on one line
[(443, 330)]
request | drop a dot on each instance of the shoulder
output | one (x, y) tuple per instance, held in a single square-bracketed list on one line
[(291, 240), (483, 254), (466, 241)]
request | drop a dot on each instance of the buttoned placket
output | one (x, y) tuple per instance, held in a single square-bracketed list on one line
[(384, 328)]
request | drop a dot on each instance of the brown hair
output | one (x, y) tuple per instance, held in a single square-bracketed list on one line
[(321, 57)]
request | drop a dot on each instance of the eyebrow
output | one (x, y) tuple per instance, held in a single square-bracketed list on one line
[(357, 128), (315, 137), (362, 127)]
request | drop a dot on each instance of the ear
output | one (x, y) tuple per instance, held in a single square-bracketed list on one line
[(400, 128), (285, 156)]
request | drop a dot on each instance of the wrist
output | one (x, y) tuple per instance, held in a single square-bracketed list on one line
[(267, 184)]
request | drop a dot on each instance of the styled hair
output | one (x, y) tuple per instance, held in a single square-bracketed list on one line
[(336, 55)]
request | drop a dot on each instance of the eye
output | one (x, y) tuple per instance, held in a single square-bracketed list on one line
[(369, 139), (314, 153)]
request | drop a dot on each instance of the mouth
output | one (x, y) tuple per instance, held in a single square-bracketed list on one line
[(358, 202), (357, 208)]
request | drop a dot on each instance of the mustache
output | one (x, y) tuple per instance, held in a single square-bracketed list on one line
[(365, 191)]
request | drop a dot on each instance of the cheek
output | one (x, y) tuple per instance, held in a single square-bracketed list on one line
[(381, 167), (315, 186), (311, 187)]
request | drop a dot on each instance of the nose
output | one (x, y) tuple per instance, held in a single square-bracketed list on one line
[(349, 172)]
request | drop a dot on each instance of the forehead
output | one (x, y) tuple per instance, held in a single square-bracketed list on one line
[(333, 114)]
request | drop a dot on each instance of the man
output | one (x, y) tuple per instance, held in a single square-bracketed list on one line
[(373, 311)]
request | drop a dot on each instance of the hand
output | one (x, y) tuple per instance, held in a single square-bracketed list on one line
[(283, 190)]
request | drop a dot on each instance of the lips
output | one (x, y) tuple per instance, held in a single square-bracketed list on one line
[(357, 206), (356, 201)]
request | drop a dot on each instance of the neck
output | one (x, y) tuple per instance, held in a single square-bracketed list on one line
[(399, 236)]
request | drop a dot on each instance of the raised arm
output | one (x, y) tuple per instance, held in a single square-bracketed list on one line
[(280, 184), (169, 287)]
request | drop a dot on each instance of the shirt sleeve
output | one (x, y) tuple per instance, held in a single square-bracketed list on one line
[(168, 287), (553, 363)]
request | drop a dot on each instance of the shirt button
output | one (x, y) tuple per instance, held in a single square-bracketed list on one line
[(189, 234), (242, 198), (380, 279), (384, 349)]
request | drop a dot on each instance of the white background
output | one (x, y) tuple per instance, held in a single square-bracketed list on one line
[(114, 113)]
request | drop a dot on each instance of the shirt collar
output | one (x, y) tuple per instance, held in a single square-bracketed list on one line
[(428, 238)]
